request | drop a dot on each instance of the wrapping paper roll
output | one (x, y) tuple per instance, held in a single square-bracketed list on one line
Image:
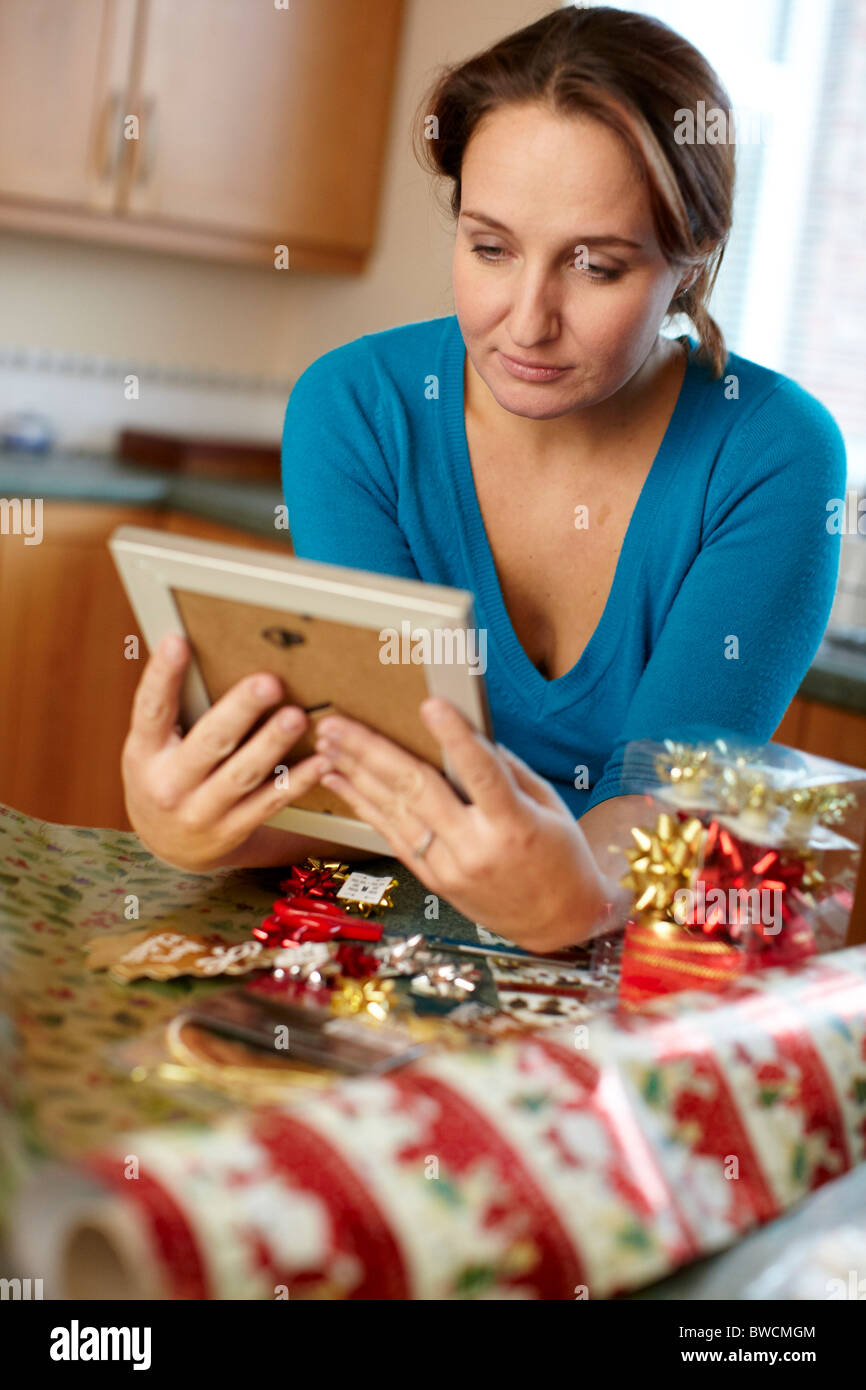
[(84, 1242), (577, 1163)]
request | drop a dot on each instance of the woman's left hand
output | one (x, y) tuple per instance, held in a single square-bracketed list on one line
[(514, 860)]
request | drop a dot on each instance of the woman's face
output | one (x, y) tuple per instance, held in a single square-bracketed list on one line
[(556, 262)]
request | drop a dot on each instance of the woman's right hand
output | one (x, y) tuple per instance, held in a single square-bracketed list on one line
[(195, 798)]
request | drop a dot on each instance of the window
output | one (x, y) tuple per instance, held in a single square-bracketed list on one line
[(791, 293)]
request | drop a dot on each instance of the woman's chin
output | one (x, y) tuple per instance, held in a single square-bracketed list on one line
[(533, 402)]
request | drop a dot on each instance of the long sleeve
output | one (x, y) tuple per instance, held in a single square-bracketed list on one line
[(751, 610), (339, 486)]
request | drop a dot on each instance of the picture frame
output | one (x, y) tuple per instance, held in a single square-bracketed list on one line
[(369, 645)]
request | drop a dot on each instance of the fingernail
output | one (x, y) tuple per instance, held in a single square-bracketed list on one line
[(290, 719), (174, 647), (434, 709), (263, 687), (331, 729)]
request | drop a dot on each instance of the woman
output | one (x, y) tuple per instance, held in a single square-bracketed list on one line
[(641, 520)]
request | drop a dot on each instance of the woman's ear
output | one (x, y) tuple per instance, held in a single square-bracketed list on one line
[(689, 280)]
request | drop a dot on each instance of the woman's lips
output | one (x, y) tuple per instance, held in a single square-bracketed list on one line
[(526, 372)]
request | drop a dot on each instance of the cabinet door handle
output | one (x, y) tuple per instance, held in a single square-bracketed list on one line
[(148, 136), (111, 136)]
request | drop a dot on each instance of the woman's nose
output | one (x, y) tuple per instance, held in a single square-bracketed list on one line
[(534, 313)]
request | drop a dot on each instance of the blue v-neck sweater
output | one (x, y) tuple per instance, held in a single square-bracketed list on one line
[(723, 585)]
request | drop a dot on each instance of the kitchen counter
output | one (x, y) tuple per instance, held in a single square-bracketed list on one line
[(94, 478), (836, 677)]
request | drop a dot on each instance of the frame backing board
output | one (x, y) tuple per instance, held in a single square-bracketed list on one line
[(326, 668), (317, 627)]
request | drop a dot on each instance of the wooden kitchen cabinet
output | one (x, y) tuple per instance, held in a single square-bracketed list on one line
[(258, 127), (834, 733), (63, 70), (203, 529), (791, 727), (66, 687)]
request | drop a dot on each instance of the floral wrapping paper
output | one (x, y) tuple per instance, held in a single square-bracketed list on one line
[(583, 1161), (62, 886)]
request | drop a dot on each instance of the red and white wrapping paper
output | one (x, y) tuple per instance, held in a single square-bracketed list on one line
[(571, 1163)]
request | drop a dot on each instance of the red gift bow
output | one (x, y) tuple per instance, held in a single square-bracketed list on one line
[(285, 908), (355, 962), (311, 883), (734, 864), (710, 955), (290, 925)]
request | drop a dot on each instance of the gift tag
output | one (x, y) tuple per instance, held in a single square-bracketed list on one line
[(367, 891)]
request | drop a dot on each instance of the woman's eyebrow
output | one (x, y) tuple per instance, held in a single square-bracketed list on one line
[(607, 239)]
